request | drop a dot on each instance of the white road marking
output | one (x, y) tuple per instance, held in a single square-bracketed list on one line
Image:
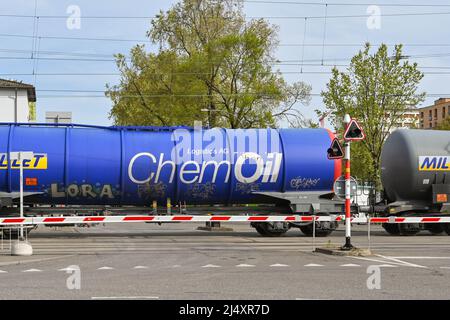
[(279, 265), (210, 266), (105, 268), (375, 260), (66, 269), (313, 265), (350, 265), (126, 297), (444, 267), (32, 270), (176, 266), (140, 267), (426, 257), (387, 266), (403, 262), (383, 262), (245, 265), (2, 271)]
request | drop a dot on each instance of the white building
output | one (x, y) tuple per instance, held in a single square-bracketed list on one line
[(409, 119), (15, 99)]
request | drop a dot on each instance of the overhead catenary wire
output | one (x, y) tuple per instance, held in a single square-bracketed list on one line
[(280, 44), (384, 4), (171, 96), (118, 18)]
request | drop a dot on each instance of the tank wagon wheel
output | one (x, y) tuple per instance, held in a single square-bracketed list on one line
[(391, 228), (323, 229), (271, 229), (446, 227), (409, 229), (435, 228)]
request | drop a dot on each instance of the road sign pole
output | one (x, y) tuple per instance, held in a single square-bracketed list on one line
[(347, 245)]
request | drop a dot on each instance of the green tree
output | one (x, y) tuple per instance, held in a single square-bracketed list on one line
[(212, 65), (376, 89)]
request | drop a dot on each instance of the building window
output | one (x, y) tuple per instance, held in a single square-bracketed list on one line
[(431, 125), (435, 113), (443, 112)]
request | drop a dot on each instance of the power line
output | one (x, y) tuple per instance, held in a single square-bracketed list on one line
[(250, 17), (347, 3), (186, 95), (76, 38), (193, 73), (281, 44)]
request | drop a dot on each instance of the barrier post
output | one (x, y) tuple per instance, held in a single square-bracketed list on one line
[(348, 245), (368, 229), (314, 233), (21, 192)]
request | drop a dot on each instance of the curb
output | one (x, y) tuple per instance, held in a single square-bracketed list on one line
[(338, 252)]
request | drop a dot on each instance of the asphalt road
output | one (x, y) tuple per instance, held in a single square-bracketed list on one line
[(175, 261)]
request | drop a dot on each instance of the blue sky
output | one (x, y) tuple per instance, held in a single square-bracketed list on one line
[(426, 39)]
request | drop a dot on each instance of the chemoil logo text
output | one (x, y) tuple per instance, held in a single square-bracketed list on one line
[(434, 163), (39, 162)]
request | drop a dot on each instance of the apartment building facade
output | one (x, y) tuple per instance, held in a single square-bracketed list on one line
[(433, 115)]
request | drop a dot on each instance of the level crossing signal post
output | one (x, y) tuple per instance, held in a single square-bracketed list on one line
[(353, 132)]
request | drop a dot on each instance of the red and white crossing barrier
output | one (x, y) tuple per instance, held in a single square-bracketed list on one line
[(152, 218), (204, 218)]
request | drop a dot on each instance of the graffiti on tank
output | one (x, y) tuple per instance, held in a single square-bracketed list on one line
[(304, 183), (245, 188), (152, 191), (201, 191), (84, 190)]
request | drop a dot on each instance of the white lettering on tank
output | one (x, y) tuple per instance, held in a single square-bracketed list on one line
[(130, 167), (276, 167), (266, 169), (216, 169), (240, 162), (184, 171), (161, 164)]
